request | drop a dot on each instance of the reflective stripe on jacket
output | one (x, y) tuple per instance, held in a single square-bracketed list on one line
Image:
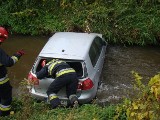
[(53, 65), (65, 71), (59, 67), (4, 80), (5, 107), (15, 59), (52, 96)]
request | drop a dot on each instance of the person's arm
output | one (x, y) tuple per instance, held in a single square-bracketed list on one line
[(42, 73), (34, 78), (8, 61)]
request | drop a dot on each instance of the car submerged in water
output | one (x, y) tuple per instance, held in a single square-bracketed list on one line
[(84, 52)]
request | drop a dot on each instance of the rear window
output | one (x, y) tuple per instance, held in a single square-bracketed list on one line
[(76, 65)]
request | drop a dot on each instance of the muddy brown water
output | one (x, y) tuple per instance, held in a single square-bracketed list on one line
[(117, 80), (32, 46)]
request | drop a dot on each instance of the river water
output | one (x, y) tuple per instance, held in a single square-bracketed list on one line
[(117, 80)]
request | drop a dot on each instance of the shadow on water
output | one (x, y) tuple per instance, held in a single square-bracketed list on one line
[(117, 80)]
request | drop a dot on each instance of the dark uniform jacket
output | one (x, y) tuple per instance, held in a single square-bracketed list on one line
[(55, 69), (6, 61)]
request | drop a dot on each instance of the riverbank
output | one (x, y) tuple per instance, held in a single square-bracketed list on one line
[(145, 105)]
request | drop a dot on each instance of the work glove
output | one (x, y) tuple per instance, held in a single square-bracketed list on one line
[(20, 52), (33, 80)]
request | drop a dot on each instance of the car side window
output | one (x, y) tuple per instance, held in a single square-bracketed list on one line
[(95, 50)]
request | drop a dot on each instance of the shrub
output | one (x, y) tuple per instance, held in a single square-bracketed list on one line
[(126, 22), (147, 103)]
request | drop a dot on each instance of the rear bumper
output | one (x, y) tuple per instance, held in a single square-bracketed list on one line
[(84, 97), (37, 95)]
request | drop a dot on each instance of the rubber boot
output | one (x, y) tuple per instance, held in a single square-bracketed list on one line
[(4, 113), (74, 101), (55, 103)]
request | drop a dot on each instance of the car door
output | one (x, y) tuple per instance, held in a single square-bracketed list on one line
[(101, 47), (97, 54)]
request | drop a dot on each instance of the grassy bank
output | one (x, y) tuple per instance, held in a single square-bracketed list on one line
[(40, 111), (145, 106), (125, 22), (27, 108)]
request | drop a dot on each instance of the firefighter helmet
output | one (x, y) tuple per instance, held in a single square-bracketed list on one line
[(3, 34)]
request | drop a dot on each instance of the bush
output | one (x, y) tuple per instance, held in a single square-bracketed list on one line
[(146, 106), (126, 22)]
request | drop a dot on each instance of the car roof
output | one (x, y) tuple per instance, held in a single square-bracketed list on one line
[(68, 45)]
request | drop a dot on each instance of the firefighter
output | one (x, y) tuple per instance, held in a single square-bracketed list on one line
[(64, 76), (5, 86)]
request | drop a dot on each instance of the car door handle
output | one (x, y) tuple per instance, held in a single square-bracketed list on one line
[(98, 70)]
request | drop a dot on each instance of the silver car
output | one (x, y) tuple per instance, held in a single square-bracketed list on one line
[(85, 52)]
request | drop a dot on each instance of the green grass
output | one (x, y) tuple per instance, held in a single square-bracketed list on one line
[(27, 108), (42, 111)]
